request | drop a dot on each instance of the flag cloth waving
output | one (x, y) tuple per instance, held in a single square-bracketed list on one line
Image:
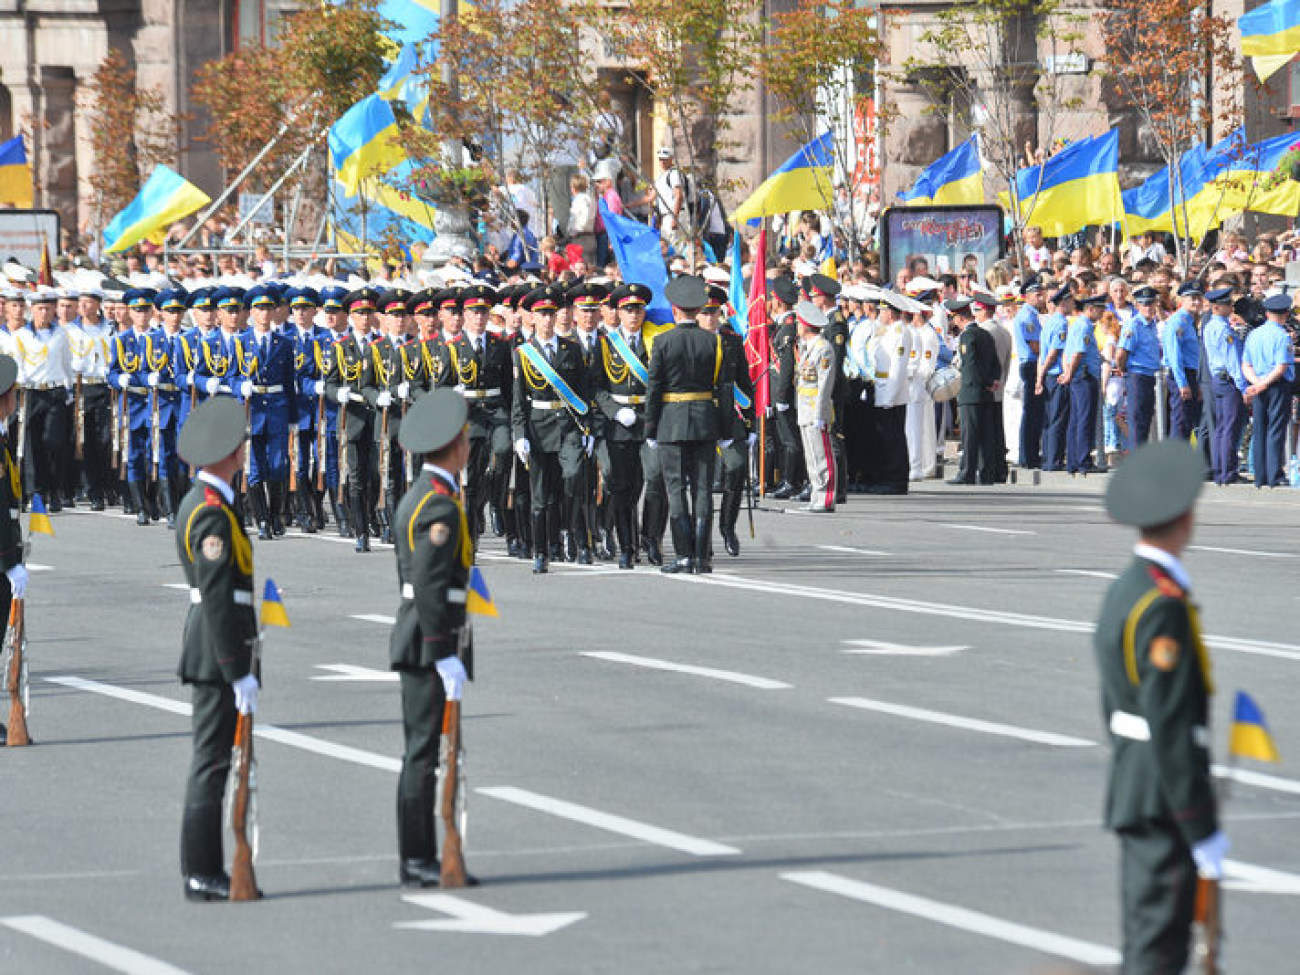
[(1270, 35), (273, 613), (955, 177), (758, 348), (15, 173), (166, 197), (803, 182), (1077, 187), (1249, 737)]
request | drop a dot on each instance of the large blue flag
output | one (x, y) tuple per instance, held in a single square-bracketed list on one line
[(640, 258)]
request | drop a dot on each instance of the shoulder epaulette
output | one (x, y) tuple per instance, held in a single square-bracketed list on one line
[(1165, 584), (211, 496)]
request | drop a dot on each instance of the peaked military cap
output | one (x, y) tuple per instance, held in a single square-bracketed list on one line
[(478, 296), (302, 298), (716, 297), (687, 292), (422, 303), (362, 299), (8, 373), (139, 298), (1061, 294), (260, 296), (227, 296), (1032, 286), (1145, 295), (959, 303), (201, 298), (1158, 482), (626, 295), (170, 299), (449, 298), (1094, 301), (331, 299), (393, 301), (985, 299), (212, 432), (434, 421), (785, 289), (585, 294), (822, 284), (1278, 304), (810, 315), (1190, 288), (1219, 296), (543, 299)]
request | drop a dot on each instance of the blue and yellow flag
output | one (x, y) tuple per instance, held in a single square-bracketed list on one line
[(1270, 35), (954, 178), (362, 142), (39, 524), (15, 173), (166, 197), (1249, 737), (1236, 181), (1076, 188), (273, 613), (802, 182), (478, 599), (736, 290), (640, 260)]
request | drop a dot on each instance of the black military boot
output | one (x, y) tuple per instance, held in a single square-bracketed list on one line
[(308, 518), (539, 542), (201, 854), (174, 493), (257, 504), (782, 491), (340, 512), (317, 506), (683, 545), (137, 503), (703, 546), (150, 495), (360, 522), (417, 844), (623, 529), (276, 491), (386, 519), (727, 515)]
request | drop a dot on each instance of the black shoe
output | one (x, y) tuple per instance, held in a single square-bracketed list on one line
[(97, 505), (896, 488), (652, 553), (512, 547), (957, 480), (56, 505), (782, 491), (420, 873), (386, 537), (363, 543), (4, 735), (539, 565), (498, 529), (207, 888), (142, 518), (804, 495), (625, 560), (730, 542), (263, 531), (584, 555), (679, 565)]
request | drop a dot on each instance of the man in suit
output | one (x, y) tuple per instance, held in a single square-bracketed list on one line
[(1155, 688), (218, 648)]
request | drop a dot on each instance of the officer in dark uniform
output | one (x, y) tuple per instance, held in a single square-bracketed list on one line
[(385, 391), (585, 299), (684, 404), (1156, 686), (429, 352), (308, 510), (334, 331), (783, 296), (218, 657), (980, 371), (14, 585), (129, 373), (519, 523), (349, 374), (434, 556), (823, 291), (739, 425)]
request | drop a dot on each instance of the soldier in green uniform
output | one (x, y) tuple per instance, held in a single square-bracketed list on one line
[(738, 425), (217, 658), (1156, 686), (434, 554), (11, 499), (348, 376)]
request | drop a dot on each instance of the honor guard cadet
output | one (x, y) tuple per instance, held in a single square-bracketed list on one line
[(481, 365), (585, 299), (550, 418), (327, 440), (814, 388), (737, 426), (203, 323), (164, 355), (519, 523), (388, 391), (349, 373), (1223, 361), (1082, 375), (11, 500), (430, 351), (1182, 353), (783, 296), (45, 372), (682, 421), (434, 557), (1138, 356), (265, 360), (1155, 688), (217, 373), (1268, 363), (307, 508), (889, 350), (129, 373), (90, 340), (1051, 360), (220, 638), (823, 291)]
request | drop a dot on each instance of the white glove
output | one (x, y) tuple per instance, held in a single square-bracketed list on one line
[(71, 398), (452, 672), (753, 439), (724, 444), (588, 444), (123, 381), (782, 407), (522, 449), (1209, 854), (403, 390), (212, 385), (626, 416), (153, 379), (245, 389), (17, 577), (652, 444), (246, 694), (344, 394), (384, 399)]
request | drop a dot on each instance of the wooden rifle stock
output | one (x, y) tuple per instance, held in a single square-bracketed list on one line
[(1208, 926), (385, 460), (243, 883), (293, 458), (320, 442), (17, 640), (79, 412), (453, 854), (155, 444)]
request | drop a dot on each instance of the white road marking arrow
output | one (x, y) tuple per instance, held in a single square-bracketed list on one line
[(352, 672), (899, 649), (470, 918)]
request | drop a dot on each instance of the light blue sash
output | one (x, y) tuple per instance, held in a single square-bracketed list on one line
[(538, 362), (625, 352)]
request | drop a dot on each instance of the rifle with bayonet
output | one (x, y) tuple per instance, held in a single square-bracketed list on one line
[(16, 674), (1207, 925), (79, 412), (452, 809), (243, 805)]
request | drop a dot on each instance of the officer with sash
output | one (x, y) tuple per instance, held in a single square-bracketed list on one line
[(1181, 345), (739, 425), (165, 355), (1223, 363), (1137, 354), (348, 376), (585, 300), (519, 523), (1155, 687), (550, 418), (129, 373)]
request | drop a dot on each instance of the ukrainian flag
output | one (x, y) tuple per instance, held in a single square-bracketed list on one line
[(1270, 35), (273, 613), (414, 20), (1249, 737), (15, 173), (1164, 200), (955, 177), (165, 198), (362, 142), (803, 182), (1076, 188), (1238, 181), (39, 524), (478, 599)]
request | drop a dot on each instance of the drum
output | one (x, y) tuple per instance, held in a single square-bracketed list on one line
[(943, 384)]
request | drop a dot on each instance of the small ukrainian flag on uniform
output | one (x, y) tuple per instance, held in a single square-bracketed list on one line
[(1249, 737), (40, 520), (478, 599), (273, 613)]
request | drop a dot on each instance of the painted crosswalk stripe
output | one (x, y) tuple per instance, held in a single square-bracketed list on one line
[(1242, 551), (992, 530), (847, 550), (650, 663), (375, 618), (961, 918), (966, 724), (608, 821), (1259, 780), (881, 648), (78, 942), (1090, 573)]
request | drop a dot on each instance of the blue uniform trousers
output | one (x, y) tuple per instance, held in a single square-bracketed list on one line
[(1083, 423), (1228, 414), (1058, 422), (1141, 407), (1031, 420), (1185, 415), (1272, 410)]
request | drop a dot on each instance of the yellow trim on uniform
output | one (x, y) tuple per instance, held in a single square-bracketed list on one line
[(410, 525), (243, 553), (687, 397), (1130, 632), (1198, 643)]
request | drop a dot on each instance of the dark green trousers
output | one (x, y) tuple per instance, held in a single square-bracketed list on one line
[(423, 700), (1158, 893)]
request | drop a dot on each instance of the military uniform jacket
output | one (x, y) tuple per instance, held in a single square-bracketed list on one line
[(217, 558), (815, 382), (432, 363), (1155, 692), (785, 343), (389, 364), (130, 359), (617, 387), (836, 333), (434, 555), (979, 366), (485, 379), (686, 362), (267, 361), (350, 365), (735, 368), (546, 428), (11, 496), (890, 350)]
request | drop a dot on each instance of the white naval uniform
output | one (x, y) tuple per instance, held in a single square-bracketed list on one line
[(922, 362), (44, 358), (890, 351), (814, 383)]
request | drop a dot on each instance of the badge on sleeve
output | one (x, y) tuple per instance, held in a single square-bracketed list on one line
[(1164, 653), (439, 532), (213, 548)]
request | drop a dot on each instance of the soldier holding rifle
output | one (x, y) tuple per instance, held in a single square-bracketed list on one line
[(348, 373), (45, 371), (91, 341), (14, 585)]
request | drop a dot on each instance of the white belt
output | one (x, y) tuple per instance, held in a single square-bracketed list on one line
[(267, 390), (242, 597), (551, 404), (627, 400), (478, 393), (1135, 728), (453, 595)]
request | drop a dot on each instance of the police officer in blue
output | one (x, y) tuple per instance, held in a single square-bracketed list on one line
[(1057, 395), (308, 511), (1082, 375), (1182, 351), (1027, 329), (267, 385), (1268, 363), (1137, 357), (1227, 383), (129, 373), (164, 354)]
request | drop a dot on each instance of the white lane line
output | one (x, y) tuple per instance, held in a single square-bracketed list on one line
[(375, 544), (880, 648), (650, 663), (1262, 648), (354, 673), (968, 724), (958, 917), (1090, 573), (375, 618), (183, 587), (1243, 551), (1251, 879), (852, 551), (608, 821), (98, 950), (38, 567), (1258, 779), (995, 531), (268, 731)]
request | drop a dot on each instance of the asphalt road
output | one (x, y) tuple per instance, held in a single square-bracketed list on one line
[(872, 743)]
